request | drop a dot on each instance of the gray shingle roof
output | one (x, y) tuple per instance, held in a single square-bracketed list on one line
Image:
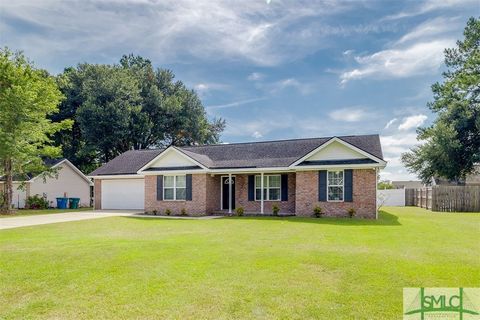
[(127, 163), (280, 153)]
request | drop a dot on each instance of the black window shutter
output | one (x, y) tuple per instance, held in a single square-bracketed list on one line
[(322, 185), (251, 188), (159, 188), (348, 185), (188, 190), (284, 187)]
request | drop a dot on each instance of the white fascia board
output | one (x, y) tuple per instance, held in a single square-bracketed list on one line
[(117, 176), (72, 166), (164, 152), (266, 170), (251, 170), (340, 166), (172, 172), (346, 144)]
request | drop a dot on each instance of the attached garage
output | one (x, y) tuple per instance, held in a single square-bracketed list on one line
[(123, 193)]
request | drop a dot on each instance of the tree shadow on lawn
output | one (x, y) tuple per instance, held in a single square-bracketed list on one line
[(384, 219)]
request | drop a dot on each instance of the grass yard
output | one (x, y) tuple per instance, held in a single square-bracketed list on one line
[(232, 268), (26, 212)]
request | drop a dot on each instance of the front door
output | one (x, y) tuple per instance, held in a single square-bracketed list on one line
[(225, 193)]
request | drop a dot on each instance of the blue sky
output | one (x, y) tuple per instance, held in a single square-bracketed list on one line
[(273, 69)]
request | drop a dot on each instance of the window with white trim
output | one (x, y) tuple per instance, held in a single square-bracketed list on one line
[(335, 186), (174, 187), (271, 187)]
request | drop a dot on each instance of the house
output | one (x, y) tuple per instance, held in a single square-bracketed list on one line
[(409, 184), (69, 181), (335, 173)]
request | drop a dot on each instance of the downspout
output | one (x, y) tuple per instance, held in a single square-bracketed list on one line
[(261, 198), (229, 193), (376, 194)]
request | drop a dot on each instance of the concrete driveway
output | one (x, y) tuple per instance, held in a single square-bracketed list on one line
[(16, 222)]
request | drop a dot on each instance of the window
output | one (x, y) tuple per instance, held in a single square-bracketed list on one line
[(335, 186), (271, 188), (174, 188)]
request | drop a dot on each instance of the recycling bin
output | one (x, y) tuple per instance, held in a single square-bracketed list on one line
[(62, 203), (73, 203)]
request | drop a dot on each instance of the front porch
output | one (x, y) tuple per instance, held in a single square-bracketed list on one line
[(245, 190)]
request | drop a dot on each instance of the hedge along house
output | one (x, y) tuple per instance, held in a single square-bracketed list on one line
[(335, 173)]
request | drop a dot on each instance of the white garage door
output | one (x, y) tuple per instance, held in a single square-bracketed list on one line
[(123, 194)]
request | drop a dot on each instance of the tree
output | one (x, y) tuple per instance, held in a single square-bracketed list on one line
[(110, 98), (383, 185), (176, 114), (452, 142), (128, 106), (27, 96)]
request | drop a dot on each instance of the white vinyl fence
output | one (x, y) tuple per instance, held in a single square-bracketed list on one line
[(391, 197)]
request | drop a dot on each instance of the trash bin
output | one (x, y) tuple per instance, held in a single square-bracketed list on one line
[(62, 203), (73, 203)]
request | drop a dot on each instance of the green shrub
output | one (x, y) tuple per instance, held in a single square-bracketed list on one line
[(183, 212), (239, 211), (318, 212), (36, 202), (275, 210), (155, 212), (351, 212), (168, 212)]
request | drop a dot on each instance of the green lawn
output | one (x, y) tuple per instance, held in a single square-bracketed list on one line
[(26, 212), (233, 268)]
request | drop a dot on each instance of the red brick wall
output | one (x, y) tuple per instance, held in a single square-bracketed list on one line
[(97, 195), (203, 199), (241, 197), (364, 195), (213, 193)]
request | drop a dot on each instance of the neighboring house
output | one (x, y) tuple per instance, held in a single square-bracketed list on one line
[(411, 184), (69, 181), (472, 179), (336, 173)]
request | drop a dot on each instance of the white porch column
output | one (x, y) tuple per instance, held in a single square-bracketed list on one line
[(229, 193), (261, 198)]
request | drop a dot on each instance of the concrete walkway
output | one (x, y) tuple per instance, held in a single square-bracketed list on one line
[(16, 222)]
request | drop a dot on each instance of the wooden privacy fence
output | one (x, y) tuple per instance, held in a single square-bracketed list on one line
[(445, 198)]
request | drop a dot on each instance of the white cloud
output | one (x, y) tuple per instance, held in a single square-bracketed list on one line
[(349, 114), (412, 122), (257, 135), (393, 146), (170, 30), (432, 28), (389, 123), (416, 59), (235, 103), (255, 76), (303, 88), (420, 51), (432, 5), (203, 89)]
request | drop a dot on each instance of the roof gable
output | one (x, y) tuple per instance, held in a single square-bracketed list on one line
[(170, 159), (337, 149)]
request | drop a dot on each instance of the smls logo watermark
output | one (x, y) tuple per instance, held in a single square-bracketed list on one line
[(441, 303)]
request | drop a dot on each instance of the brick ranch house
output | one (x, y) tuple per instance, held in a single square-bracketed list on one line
[(335, 173)]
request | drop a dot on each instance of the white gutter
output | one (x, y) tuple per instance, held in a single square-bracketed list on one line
[(117, 176)]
